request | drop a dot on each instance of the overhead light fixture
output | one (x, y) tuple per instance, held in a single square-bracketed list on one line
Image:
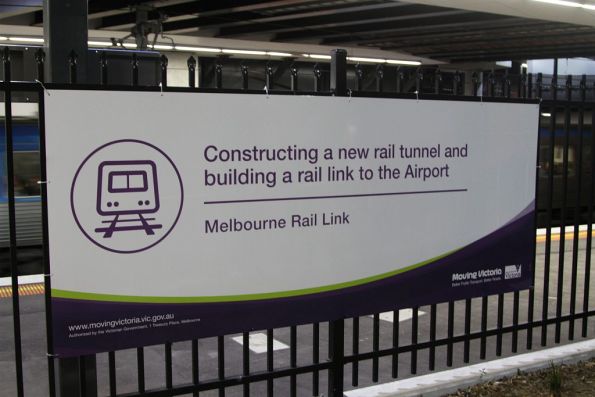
[(99, 43), (162, 47), (566, 3), (3, 38), (26, 39), (279, 54), (243, 52), (317, 56), (197, 49), (401, 62), (360, 59)]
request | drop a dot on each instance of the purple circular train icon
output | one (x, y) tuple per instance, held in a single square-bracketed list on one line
[(123, 180)]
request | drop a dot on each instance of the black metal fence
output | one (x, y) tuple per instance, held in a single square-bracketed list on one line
[(335, 358)]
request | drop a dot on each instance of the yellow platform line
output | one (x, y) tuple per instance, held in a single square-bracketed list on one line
[(24, 290), (567, 236)]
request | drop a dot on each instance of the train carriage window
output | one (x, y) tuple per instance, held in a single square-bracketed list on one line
[(26, 174), (559, 160)]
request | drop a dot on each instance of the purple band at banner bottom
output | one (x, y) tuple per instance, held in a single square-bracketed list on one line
[(86, 327)]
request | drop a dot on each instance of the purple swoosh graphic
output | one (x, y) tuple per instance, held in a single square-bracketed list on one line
[(511, 245)]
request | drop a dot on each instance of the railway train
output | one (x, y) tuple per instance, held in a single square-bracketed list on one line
[(27, 171)]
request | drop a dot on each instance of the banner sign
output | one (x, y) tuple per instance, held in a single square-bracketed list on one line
[(181, 215)]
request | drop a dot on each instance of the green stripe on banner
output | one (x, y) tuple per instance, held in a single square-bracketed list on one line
[(59, 293)]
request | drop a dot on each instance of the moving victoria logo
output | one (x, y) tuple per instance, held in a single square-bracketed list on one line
[(127, 196)]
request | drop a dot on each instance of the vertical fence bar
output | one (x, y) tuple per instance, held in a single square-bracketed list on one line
[(507, 85), (219, 75), (437, 81), (268, 76), (549, 206), (244, 72), (140, 369), (315, 357), (164, 62), (270, 362), (168, 366), (515, 321), (419, 76), (134, 65), (82, 376), (432, 354), (40, 61), (450, 333), (500, 324), (246, 361), (399, 80), (355, 350), (492, 83), (16, 311), (577, 206), (293, 360), (379, 78), (530, 85), (294, 78), (588, 253), (221, 362), (44, 221), (466, 344), (317, 78), (475, 81), (395, 356), (563, 213), (195, 366), (375, 345), (112, 373), (72, 60), (484, 327), (414, 335), (456, 80), (103, 68), (359, 77), (191, 62), (539, 86), (522, 90), (336, 355)]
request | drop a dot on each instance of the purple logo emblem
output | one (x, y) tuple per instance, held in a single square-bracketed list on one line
[(124, 180)]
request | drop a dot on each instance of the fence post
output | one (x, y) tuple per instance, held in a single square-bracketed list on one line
[(191, 71), (72, 60), (164, 63), (359, 77), (134, 64), (317, 78), (103, 68), (337, 327), (294, 78), (40, 60), (244, 71), (379, 78)]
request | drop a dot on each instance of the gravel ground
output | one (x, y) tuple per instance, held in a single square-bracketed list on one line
[(574, 380)]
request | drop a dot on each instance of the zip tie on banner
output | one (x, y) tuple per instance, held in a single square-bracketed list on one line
[(43, 182), (42, 86), (52, 355), (47, 275), (161, 88), (417, 95), (266, 89), (350, 92)]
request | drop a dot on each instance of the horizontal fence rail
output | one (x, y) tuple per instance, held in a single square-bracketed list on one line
[(557, 309)]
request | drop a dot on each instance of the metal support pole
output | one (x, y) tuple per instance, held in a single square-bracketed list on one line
[(65, 30), (339, 71)]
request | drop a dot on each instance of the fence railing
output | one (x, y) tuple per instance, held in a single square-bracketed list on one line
[(441, 335)]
